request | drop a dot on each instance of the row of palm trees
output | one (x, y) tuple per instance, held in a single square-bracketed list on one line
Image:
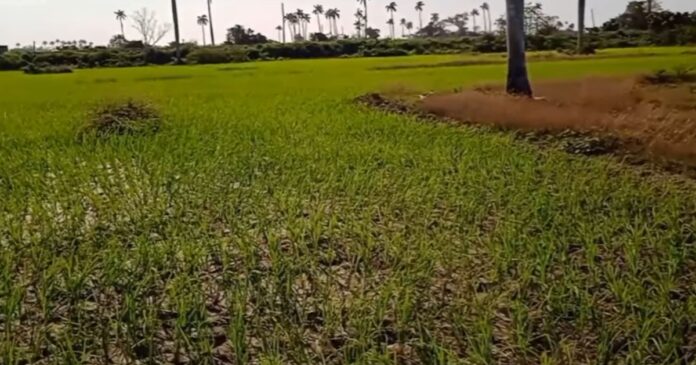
[(517, 80)]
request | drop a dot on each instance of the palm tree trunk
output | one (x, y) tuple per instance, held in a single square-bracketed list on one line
[(473, 17), (210, 22), (203, 31), (581, 25), (177, 40), (420, 18), (123, 34), (366, 26), (490, 21), (517, 78), (392, 25)]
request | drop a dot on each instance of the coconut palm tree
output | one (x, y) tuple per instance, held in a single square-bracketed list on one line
[(364, 4), (306, 19), (329, 18), (390, 22), (419, 8), (280, 32), (121, 16), (487, 11), (292, 19), (474, 14), (301, 20), (319, 11), (203, 22), (210, 21), (485, 19), (336, 15), (177, 39), (517, 77), (409, 27), (391, 9), (403, 27), (581, 25), (359, 18)]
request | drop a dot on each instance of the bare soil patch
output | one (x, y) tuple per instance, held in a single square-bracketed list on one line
[(644, 119)]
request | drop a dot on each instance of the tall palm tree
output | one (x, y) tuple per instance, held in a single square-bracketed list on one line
[(517, 77), (390, 22), (403, 27), (280, 33), (210, 21), (581, 25), (177, 39), (303, 19), (319, 11), (419, 8), (359, 18), (391, 9), (409, 27), (121, 16), (336, 16), (293, 21), (329, 14), (487, 10), (203, 22), (474, 14), (364, 4)]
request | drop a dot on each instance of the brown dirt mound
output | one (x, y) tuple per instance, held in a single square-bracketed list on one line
[(658, 121)]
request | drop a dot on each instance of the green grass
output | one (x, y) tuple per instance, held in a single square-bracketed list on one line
[(272, 221)]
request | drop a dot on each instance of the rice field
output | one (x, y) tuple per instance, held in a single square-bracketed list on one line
[(272, 221)]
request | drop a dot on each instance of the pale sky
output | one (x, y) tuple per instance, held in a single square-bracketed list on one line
[(24, 21)]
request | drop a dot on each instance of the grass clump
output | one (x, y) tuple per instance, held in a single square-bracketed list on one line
[(677, 75), (130, 117)]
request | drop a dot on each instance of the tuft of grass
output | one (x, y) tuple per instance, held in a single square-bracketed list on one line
[(130, 117)]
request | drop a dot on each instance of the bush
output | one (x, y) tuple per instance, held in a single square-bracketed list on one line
[(205, 56)]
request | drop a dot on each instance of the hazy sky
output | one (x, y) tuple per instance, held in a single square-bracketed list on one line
[(24, 21)]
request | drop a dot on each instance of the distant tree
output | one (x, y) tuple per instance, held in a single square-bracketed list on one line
[(372, 33), (409, 27), (403, 27), (319, 11), (203, 22), (419, 8), (434, 18), (517, 79), (474, 13), (118, 41), (121, 16), (146, 24), (318, 37), (293, 20), (303, 21), (335, 15), (241, 35), (459, 21), (434, 29), (359, 19), (280, 33), (391, 9), (485, 13)]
